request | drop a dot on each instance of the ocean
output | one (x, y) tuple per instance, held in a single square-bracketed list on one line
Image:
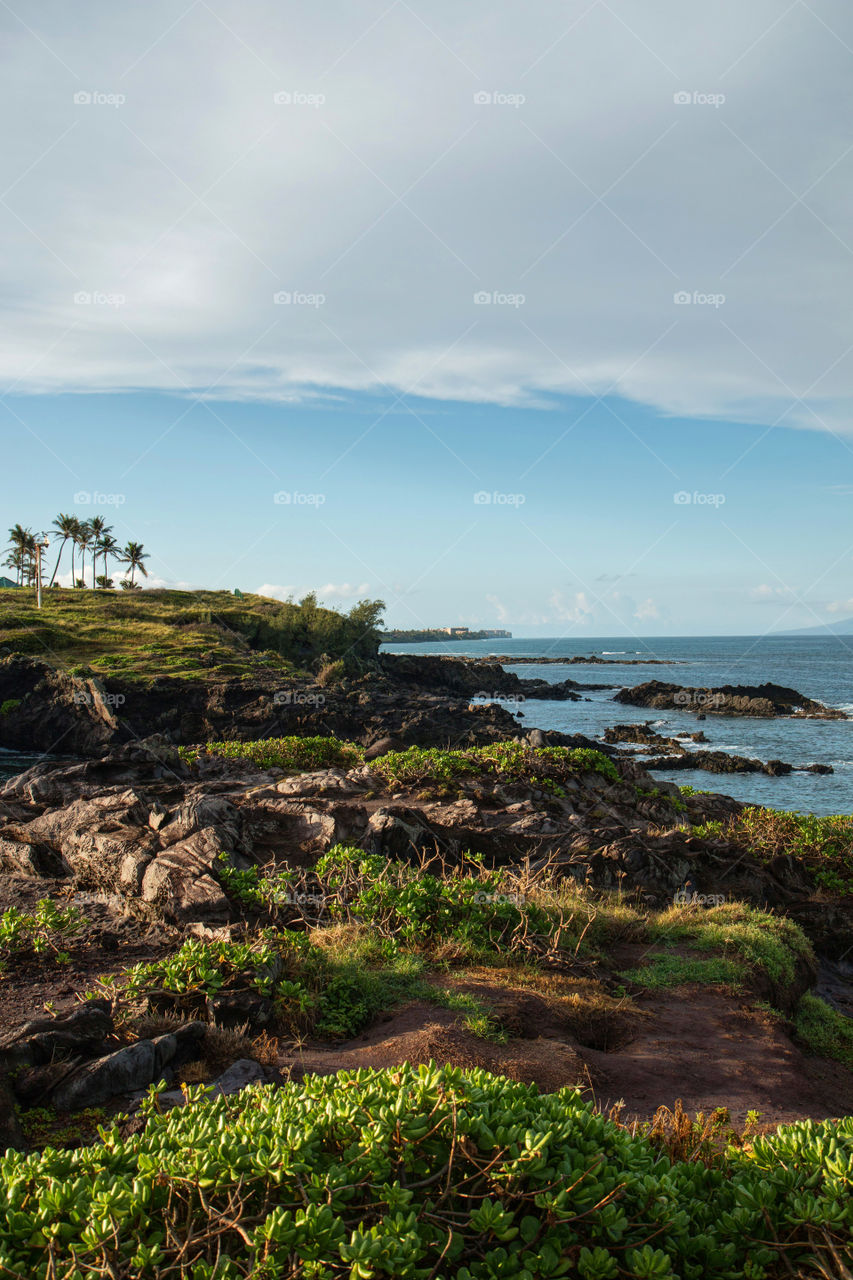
[(820, 667)]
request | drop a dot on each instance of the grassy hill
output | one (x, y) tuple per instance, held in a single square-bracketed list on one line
[(194, 634)]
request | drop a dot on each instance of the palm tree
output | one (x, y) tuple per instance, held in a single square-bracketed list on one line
[(108, 547), (99, 528), (83, 538), (22, 544), (134, 555), (66, 526)]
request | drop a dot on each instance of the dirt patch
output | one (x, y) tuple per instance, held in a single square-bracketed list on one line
[(709, 1049), (421, 1033), (701, 1045)]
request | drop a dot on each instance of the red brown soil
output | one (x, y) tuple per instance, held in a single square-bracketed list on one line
[(700, 1045)]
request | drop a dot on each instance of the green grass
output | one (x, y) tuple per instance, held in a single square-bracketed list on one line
[(825, 1031), (204, 635), (662, 970), (422, 1172), (744, 940)]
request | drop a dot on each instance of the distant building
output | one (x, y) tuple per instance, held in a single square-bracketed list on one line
[(7, 582), (455, 631)]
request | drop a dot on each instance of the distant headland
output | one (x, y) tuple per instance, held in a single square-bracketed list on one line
[(442, 633)]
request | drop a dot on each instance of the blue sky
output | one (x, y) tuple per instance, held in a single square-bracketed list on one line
[(379, 256), (584, 536)]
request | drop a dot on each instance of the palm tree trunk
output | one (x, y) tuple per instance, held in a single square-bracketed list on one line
[(56, 566)]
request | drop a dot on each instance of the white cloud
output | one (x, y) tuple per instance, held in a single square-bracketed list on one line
[(648, 609), (343, 590), (577, 610), (276, 592), (766, 592), (181, 211), (840, 606), (501, 610)]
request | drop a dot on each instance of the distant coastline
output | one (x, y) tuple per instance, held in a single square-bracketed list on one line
[(441, 633)]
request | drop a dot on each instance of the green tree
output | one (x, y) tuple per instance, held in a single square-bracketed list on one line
[(133, 556), (66, 526)]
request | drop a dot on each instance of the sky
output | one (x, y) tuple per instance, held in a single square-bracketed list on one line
[(532, 316)]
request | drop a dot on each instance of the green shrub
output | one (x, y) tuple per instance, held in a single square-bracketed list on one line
[(41, 932), (312, 990), (476, 909), (294, 755), (823, 843), (10, 705), (414, 1173)]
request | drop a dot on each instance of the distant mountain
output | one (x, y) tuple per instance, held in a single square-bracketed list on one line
[(842, 628)]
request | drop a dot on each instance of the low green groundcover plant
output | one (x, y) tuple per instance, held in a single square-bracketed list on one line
[(294, 755), (415, 1173), (823, 843), (512, 761)]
